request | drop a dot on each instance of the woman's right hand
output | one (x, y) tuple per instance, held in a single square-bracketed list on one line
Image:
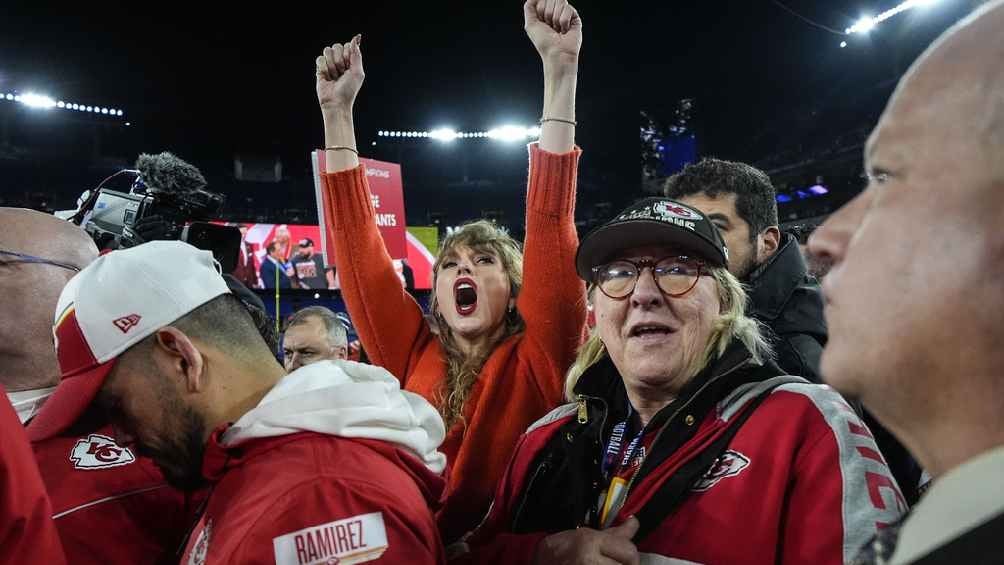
[(340, 76)]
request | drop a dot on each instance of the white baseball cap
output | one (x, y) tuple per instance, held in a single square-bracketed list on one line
[(113, 304)]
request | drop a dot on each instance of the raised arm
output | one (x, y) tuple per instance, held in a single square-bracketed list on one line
[(552, 300), (555, 29), (389, 322), (339, 77)]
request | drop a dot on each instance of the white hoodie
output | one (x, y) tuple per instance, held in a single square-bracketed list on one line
[(347, 399)]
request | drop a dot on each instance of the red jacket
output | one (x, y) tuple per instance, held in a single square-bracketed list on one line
[(522, 379), (801, 482), (313, 498), (110, 505), (27, 534), (334, 494)]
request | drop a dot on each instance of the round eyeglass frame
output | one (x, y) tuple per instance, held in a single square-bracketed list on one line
[(641, 266)]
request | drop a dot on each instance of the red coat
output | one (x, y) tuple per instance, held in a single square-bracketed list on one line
[(314, 498), (110, 505), (801, 482), (27, 534)]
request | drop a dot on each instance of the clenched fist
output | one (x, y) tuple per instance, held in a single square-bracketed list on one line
[(340, 75), (555, 29)]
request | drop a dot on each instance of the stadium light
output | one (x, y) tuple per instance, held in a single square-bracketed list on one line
[(44, 102), (505, 134), (509, 133), (32, 100), (867, 23), (864, 25), (443, 134)]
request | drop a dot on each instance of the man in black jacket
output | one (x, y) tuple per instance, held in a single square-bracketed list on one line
[(740, 200)]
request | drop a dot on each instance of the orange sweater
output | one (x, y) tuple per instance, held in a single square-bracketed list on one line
[(522, 379)]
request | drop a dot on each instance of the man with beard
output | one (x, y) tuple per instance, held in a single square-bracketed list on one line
[(741, 201), (93, 484), (309, 269), (331, 462)]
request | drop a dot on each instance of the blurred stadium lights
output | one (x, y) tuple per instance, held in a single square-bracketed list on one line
[(33, 100), (868, 23), (443, 134), (513, 133), (506, 133), (44, 102)]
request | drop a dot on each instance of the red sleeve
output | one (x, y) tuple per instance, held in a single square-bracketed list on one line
[(390, 324), (842, 491), (553, 298), (27, 533), (341, 520)]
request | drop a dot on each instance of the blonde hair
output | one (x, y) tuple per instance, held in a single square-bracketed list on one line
[(731, 324), (462, 369)]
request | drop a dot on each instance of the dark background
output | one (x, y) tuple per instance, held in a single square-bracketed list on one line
[(214, 82)]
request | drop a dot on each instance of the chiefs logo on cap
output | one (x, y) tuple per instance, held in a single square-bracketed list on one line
[(126, 323), (675, 210)]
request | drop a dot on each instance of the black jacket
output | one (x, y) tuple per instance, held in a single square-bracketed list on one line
[(785, 298)]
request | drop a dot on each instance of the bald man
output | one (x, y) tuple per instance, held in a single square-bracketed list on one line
[(38, 255), (915, 299), (94, 484)]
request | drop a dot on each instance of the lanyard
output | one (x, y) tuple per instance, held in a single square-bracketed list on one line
[(612, 466)]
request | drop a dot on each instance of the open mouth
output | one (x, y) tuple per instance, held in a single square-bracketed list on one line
[(465, 296), (651, 331)]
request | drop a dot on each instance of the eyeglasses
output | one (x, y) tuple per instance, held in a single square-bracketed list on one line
[(674, 275), (23, 258)]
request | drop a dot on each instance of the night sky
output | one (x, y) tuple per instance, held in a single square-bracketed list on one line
[(209, 82)]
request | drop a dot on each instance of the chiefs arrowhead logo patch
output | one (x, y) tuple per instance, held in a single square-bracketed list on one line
[(99, 452), (730, 464)]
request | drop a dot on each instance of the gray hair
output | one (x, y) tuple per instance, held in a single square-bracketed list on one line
[(337, 334)]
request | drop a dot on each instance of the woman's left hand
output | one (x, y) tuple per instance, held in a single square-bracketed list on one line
[(555, 29)]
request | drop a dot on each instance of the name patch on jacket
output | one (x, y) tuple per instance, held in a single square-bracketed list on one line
[(99, 452), (353, 540)]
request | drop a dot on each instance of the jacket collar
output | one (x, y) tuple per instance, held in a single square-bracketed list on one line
[(772, 284), (218, 458)]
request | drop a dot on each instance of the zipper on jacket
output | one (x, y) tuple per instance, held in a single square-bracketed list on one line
[(598, 456), (544, 466), (627, 487)]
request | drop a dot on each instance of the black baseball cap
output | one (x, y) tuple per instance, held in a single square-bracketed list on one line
[(306, 242), (652, 221)]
